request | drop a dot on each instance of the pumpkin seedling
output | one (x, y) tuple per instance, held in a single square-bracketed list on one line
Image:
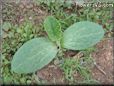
[(38, 52)]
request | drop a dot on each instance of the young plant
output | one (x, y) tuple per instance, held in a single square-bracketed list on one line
[(38, 52)]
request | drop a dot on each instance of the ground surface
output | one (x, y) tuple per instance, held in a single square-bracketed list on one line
[(52, 73), (104, 58)]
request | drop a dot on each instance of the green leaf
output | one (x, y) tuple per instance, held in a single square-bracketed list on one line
[(33, 55), (53, 28), (82, 35)]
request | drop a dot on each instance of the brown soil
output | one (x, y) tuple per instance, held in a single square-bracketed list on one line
[(52, 74), (104, 58), (23, 10)]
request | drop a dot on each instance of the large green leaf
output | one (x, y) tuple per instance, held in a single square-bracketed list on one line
[(82, 35), (33, 55), (53, 28)]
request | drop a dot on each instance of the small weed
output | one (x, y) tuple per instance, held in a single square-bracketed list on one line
[(70, 66)]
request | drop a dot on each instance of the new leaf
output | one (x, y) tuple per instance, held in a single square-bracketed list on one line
[(53, 28)]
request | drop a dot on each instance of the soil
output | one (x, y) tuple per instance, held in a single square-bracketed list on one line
[(104, 58), (52, 74), (23, 10)]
